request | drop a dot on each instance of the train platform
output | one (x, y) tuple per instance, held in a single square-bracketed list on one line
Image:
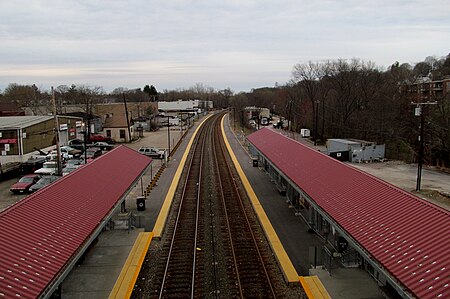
[(96, 275), (293, 232)]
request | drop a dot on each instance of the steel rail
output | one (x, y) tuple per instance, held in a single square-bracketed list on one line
[(177, 222), (229, 169), (222, 196), (213, 239), (197, 217)]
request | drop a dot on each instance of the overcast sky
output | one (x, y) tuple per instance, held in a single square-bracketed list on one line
[(227, 43)]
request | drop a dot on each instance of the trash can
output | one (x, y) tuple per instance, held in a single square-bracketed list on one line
[(255, 162), (140, 202)]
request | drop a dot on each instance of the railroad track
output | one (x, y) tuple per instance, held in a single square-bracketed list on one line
[(179, 274), (213, 246), (251, 276)]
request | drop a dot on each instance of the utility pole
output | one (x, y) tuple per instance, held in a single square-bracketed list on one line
[(126, 115), (419, 111), (316, 120), (181, 122), (289, 115), (58, 150)]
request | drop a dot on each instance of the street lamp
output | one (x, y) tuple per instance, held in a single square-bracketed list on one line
[(168, 135), (316, 120)]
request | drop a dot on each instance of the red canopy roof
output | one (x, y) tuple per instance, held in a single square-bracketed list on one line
[(41, 233), (408, 236)]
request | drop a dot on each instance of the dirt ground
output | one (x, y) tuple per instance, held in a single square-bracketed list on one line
[(435, 184)]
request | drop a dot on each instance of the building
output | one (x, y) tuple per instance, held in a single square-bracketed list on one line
[(114, 119), (256, 112), (176, 106), (195, 106), (180, 113), (114, 122), (21, 136), (425, 89), (10, 109), (355, 151)]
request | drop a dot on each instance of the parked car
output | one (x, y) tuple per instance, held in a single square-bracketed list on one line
[(32, 164), (53, 154), (44, 181), (70, 150), (279, 124), (49, 168), (24, 184), (264, 121), (152, 152), (76, 144), (75, 162), (93, 152), (69, 168), (104, 146), (100, 138)]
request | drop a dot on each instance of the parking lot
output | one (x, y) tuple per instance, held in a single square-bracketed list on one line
[(7, 198), (435, 185), (158, 139)]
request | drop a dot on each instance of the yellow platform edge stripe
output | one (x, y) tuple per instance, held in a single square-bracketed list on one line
[(289, 272), (164, 212), (313, 287), (125, 282)]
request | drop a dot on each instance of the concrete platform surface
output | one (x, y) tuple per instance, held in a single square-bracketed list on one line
[(96, 276), (351, 283)]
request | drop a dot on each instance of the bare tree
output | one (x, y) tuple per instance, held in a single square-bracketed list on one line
[(29, 96), (308, 78), (87, 97)]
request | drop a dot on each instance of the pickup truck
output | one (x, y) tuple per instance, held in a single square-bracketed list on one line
[(152, 152), (49, 168)]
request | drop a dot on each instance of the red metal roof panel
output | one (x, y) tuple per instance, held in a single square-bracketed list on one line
[(43, 231), (407, 235)]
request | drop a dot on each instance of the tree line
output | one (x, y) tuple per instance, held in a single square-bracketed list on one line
[(356, 99), (334, 99)]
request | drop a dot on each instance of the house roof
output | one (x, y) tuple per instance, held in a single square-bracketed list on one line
[(345, 141), (406, 235), (20, 122), (10, 108), (115, 115), (42, 233)]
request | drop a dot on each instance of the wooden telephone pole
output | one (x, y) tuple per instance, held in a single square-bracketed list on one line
[(419, 111)]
